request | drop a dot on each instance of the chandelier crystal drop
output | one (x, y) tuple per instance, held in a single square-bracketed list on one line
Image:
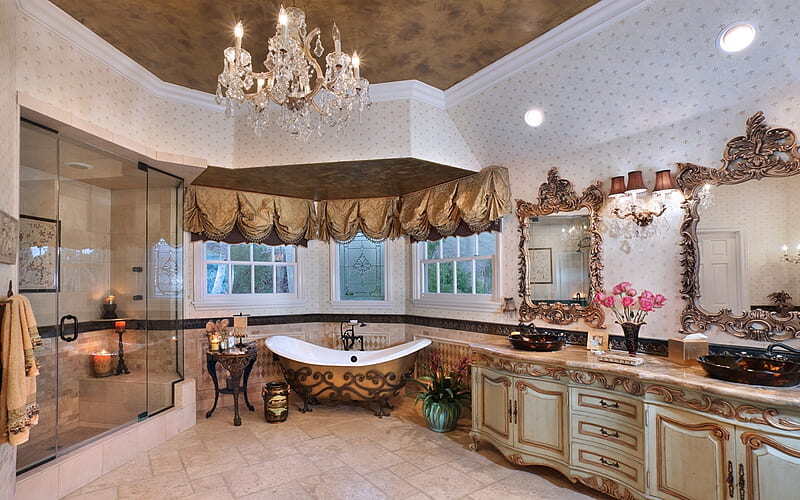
[(293, 91)]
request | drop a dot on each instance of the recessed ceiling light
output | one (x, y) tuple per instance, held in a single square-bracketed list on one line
[(79, 165), (737, 37), (534, 117)]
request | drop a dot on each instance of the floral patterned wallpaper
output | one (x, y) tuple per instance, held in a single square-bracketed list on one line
[(52, 69), (9, 172), (643, 92)]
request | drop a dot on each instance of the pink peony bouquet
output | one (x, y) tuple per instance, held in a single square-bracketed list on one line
[(626, 306)]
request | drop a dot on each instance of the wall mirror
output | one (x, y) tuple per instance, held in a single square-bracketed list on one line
[(740, 237), (560, 251)]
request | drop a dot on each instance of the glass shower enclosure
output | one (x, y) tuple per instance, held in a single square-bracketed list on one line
[(101, 262)]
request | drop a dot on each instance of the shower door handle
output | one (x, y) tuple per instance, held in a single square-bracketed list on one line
[(64, 319)]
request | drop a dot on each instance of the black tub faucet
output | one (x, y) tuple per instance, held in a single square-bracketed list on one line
[(348, 335)]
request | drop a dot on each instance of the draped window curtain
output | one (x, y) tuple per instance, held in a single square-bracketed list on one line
[(468, 205)]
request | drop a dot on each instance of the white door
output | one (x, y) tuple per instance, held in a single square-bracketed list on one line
[(721, 280)]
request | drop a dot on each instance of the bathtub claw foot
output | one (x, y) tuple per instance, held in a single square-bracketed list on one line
[(306, 407), (383, 409)]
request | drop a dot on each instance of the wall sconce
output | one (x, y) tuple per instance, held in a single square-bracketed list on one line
[(509, 306), (791, 259), (643, 212)]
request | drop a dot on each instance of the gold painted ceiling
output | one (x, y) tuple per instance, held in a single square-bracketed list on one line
[(340, 180), (439, 42)]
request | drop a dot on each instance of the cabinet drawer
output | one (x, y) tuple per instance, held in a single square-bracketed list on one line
[(608, 404), (609, 432), (608, 462)]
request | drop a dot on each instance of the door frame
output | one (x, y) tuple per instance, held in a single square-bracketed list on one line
[(740, 235)]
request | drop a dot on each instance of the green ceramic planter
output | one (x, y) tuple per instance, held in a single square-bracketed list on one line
[(441, 417)]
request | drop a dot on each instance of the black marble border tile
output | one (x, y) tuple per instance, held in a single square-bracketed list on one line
[(646, 346)]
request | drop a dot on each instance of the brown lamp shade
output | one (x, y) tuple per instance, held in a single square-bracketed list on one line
[(617, 186), (635, 182), (665, 181)]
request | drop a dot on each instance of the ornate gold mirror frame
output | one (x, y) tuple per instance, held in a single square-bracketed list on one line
[(761, 153), (558, 195)]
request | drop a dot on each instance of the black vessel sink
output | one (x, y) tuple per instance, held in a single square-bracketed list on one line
[(768, 369)]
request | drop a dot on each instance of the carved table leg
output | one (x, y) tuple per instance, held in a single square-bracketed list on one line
[(237, 420), (211, 365), (247, 371)]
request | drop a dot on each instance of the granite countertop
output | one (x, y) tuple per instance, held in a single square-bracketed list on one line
[(656, 369)]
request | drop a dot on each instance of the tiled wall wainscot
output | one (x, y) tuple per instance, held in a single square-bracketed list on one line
[(76, 469)]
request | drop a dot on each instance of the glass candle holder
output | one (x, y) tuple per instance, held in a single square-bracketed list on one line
[(103, 364)]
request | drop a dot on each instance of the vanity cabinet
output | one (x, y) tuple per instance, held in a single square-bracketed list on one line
[(693, 456), (541, 418), (768, 463), (494, 404), (633, 437), (526, 415)]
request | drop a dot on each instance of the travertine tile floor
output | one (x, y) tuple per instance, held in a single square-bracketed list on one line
[(331, 453)]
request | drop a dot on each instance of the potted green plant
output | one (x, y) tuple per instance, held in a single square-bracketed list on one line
[(445, 393)]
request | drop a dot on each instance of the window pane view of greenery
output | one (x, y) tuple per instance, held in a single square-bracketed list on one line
[(459, 264), (361, 269), (249, 268)]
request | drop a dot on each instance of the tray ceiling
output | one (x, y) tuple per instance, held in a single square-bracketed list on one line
[(336, 180), (439, 42)]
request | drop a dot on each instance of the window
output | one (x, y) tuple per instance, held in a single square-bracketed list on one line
[(458, 270), (247, 273), (359, 270)]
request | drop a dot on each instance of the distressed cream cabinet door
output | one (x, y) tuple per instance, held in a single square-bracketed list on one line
[(494, 407), (768, 465), (541, 418), (690, 456)]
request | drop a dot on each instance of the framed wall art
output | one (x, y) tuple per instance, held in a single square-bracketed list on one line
[(8, 239), (38, 254), (542, 266)]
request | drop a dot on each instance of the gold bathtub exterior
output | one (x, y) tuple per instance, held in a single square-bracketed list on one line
[(371, 384)]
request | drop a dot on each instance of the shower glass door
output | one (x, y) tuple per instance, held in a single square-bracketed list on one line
[(164, 287), (101, 263)]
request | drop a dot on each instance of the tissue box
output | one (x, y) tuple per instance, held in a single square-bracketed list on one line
[(686, 352)]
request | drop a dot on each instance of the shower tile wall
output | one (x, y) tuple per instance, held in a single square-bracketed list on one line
[(85, 271), (128, 233)]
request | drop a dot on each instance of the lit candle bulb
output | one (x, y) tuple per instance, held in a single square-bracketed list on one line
[(259, 85), (238, 32), (357, 65), (785, 249), (337, 39), (283, 20)]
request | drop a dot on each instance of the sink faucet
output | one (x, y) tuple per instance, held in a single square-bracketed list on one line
[(348, 334)]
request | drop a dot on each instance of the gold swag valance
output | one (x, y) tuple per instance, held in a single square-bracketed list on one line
[(215, 213), (376, 218), (474, 202), (477, 201)]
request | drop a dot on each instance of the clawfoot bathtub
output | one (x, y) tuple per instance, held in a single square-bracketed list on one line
[(373, 377)]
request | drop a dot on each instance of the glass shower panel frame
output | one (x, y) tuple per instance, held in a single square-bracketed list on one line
[(110, 216), (164, 287), (38, 192), (102, 214)]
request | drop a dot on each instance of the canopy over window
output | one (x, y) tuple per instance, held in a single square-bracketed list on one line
[(467, 205)]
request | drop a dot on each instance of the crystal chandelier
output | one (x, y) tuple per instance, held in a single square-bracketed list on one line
[(293, 91)]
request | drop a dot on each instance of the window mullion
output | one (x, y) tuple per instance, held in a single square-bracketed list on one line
[(474, 277)]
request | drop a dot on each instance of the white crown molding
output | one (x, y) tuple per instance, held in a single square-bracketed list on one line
[(413, 90), (566, 33), (574, 29), (70, 29)]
